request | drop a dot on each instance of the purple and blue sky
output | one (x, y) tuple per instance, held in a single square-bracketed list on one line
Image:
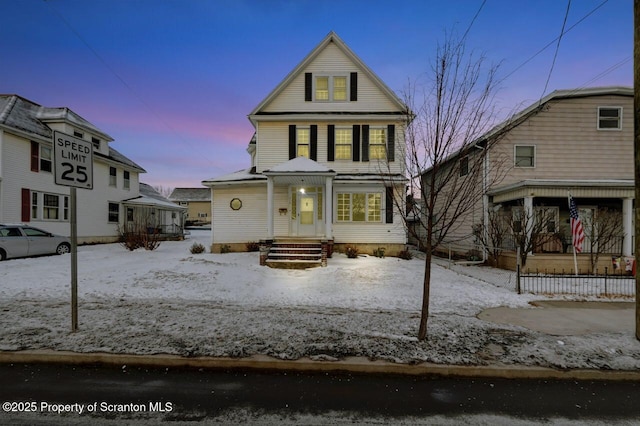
[(172, 81)]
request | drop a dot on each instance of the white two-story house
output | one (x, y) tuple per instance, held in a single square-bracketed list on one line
[(327, 161), (28, 192)]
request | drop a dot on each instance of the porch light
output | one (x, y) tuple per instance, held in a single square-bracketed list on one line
[(302, 190)]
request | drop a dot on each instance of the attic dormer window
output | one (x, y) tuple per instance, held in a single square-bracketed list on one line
[(78, 134)]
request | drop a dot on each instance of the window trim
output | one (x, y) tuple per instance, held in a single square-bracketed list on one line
[(515, 157), (113, 178), (110, 212), (618, 128), (382, 144), (367, 214), (349, 131), (331, 87), (307, 144)]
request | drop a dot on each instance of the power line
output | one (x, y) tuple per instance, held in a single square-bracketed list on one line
[(111, 70), (555, 55), (554, 40), (473, 20)]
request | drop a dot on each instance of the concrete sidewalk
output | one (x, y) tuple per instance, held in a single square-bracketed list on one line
[(564, 318)]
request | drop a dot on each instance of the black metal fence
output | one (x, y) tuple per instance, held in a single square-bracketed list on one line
[(617, 284)]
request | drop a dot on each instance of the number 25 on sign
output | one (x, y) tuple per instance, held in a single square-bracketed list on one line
[(73, 165)]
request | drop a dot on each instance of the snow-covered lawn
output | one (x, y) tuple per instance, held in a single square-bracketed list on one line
[(172, 301)]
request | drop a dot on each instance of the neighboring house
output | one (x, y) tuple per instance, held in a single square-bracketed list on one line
[(155, 212), (572, 141), (27, 189), (197, 202), (327, 159)]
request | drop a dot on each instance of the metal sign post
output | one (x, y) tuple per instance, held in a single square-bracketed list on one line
[(73, 167)]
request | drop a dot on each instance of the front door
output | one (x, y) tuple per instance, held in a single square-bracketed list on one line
[(307, 215)]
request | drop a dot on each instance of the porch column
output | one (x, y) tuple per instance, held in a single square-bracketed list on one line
[(270, 207), (328, 207), (627, 226), (528, 214)]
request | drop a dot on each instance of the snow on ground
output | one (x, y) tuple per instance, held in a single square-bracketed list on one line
[(171, 301)]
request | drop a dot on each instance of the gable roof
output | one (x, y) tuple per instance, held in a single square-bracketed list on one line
[(22, 114), (190, 194), (521, 116), (332, 37), (150, 197), (25, 116)]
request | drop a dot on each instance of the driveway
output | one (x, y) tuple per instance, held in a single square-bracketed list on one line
[(563, 318)]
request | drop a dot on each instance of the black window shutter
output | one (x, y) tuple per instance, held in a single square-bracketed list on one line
[(26, 205), (389, 204), (356, 143), (391, 142), (354, 87), (314, 142), (331, 142), (35, 156), (292, 141), (365, 142), (308, 83)]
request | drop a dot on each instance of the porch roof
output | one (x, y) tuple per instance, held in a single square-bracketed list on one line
[(300, 171), (559, 188)]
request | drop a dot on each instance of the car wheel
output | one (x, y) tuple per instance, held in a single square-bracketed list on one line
[(63, 248), (3, 255)]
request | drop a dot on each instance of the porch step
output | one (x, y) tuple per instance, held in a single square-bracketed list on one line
[(295, 254)]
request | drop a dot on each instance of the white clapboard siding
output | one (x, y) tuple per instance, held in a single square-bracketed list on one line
[(273, 148), (244, 225), (331, 61)]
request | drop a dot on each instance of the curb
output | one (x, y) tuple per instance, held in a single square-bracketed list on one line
[(348, 365)]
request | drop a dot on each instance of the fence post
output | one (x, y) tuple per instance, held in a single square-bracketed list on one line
[(518, 279), (605, 280)]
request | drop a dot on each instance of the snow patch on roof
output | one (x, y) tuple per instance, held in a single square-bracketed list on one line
[(299, 165)]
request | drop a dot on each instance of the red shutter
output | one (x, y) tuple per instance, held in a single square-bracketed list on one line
[(35, 156), (26, 205)]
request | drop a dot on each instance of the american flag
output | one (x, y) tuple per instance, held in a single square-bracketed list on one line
[(577, 231)]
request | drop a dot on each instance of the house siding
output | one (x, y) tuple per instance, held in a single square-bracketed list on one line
[(273, 148), (331, 61), (565, 127), (93, 225), (249, 222)]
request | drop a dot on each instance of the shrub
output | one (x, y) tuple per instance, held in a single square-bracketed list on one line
[(405, 254), (225, 248), (135, 235), (352, 252), (253, 246), (197, 248), (379, 252)]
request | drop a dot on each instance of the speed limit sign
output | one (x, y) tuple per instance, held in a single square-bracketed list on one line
[(73, 161)]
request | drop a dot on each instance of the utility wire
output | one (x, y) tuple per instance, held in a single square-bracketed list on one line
[(555, 55), (473, 20), (554, 40), (111, 70)]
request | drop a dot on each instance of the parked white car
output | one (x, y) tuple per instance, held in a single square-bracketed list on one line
[(25, 241)]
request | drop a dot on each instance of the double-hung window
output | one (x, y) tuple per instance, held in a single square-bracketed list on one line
[(464, 166), (525, 156), (50, 207), (377, 143), (343, 139), (113, 175), (114, 212), (127, 180), (609, 118), (359, 207), (45, 158), (302, 142)]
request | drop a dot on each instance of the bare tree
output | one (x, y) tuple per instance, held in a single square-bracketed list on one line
[(602, 233), (532, 230), (165, 191), (446, 145), (493, 235)]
